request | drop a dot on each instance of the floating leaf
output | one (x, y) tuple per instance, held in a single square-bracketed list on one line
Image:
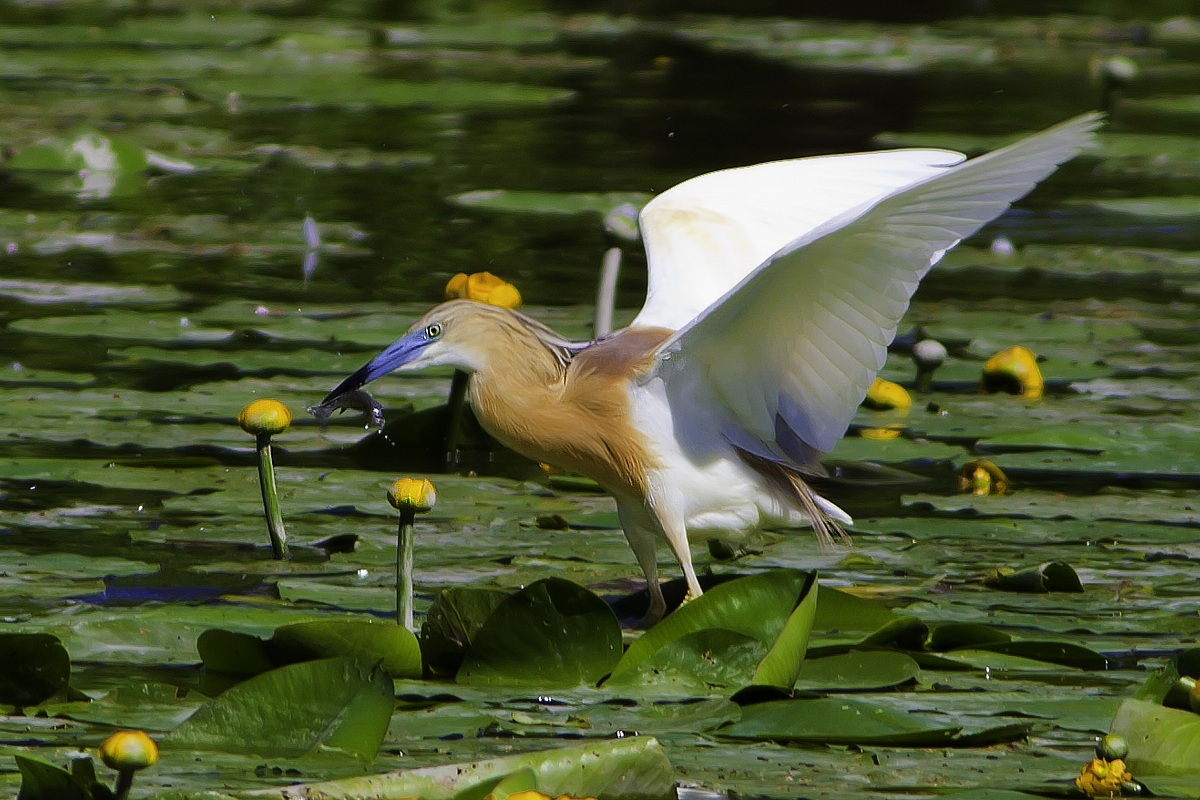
[(338, 702), (711, 658), (553, 633), (902, 633), (633, 768), (783, 662), (33, 667), (1065, 654), (1162, 741), (774, 609), (41, 780), (837, 721), (101, 165), (372, 641), (859, 670), (957, 635), (1052, 576), (233, 653), (843, 614), (455, 618), (841, 720), (238, 654)]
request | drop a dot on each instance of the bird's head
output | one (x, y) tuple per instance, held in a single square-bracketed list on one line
[(456, 333)]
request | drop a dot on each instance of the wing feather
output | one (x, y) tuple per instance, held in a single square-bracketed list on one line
[(794, 346), (706, 234)]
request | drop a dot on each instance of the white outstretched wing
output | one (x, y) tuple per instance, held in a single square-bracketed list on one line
[(708, 233), (779, 365)]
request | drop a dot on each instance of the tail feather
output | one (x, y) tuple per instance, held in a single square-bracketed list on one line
[(827, 526)]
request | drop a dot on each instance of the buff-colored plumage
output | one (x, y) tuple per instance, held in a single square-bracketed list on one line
[(535, 394), (774, 291)]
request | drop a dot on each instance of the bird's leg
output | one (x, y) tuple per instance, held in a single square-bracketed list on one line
[(675, 532), (641, 541)]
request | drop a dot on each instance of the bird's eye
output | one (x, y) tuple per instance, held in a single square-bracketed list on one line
[(433, 331)]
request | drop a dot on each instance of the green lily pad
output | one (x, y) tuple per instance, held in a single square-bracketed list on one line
[(33, 667), (837, 721), (1052, 576), (42, 780), (1162, 741), (553, 633), (240, 655), (632, 768), (97, 165), (774, 610), (373, 641), (857, 671), (453, 621), (338, 703)]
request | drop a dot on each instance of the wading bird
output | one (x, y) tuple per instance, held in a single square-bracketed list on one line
[(774, 291)]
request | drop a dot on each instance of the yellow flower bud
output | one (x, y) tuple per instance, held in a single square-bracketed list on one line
[(1112, 747), (412, 494), (504, 296), (1100, 778), (128, 751), (1014, 371), (890, 432), (534, 794), (265, 416), (456, 287), (981, 478), (884, 395), (483, 287)]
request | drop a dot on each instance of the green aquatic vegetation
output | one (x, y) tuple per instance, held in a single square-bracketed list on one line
[(135, 584)]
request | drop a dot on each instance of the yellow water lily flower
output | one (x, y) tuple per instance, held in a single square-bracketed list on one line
[(981, 478), (533, 794), (890, 432), (1100, 778), (1014, 371), (483, 287), (265, 416), (412, 494), (884, 395), (129, 750)]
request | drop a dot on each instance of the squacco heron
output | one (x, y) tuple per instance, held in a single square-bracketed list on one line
[(774, 291)]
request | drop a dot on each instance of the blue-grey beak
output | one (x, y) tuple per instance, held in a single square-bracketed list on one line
[(397, 354)]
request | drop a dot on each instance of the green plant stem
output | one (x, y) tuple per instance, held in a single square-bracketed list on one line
[(455, 405), (124, 782), (404, 570), (924, 382), (270, 496)]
